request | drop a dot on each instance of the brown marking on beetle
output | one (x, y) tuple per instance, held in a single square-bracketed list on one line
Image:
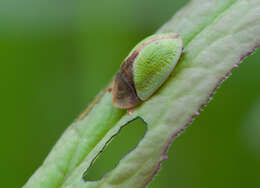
[(123, 94), (109, 90), (125, 78)]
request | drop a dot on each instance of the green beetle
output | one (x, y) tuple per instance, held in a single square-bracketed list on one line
[(145, 69)]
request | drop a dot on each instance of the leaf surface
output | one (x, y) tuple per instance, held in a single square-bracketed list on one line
[(217, 35)]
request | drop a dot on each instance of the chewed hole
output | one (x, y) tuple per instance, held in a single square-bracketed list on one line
[(124, 142)]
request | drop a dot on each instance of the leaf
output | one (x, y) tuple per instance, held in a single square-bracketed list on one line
[(217, 35)]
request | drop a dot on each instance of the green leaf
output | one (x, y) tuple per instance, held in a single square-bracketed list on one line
[(217, 35)]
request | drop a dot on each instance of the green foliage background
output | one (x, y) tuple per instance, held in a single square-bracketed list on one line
[(57, 55)]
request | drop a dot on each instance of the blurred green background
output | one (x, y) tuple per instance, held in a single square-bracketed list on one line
[(57, 55)]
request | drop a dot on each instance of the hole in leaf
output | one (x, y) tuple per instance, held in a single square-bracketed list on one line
[(124, 142)]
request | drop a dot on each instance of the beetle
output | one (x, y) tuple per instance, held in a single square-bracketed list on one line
[(145, 69)]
